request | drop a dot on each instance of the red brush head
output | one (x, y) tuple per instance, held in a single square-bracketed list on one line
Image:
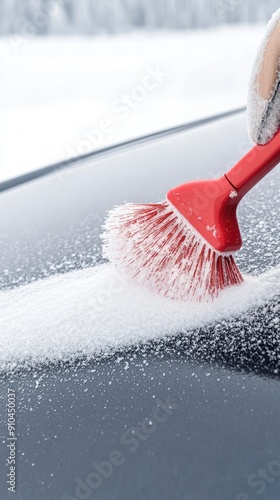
[(156, 246), (210, 206)]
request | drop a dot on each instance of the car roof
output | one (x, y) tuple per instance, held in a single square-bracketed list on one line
[(214, 388)]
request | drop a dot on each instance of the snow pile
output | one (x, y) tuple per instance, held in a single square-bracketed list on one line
[(96, 311)]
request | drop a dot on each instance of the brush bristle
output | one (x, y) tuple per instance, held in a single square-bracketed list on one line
[(157, 247)]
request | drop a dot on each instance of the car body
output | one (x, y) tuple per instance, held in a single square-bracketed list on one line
[(191, 416)]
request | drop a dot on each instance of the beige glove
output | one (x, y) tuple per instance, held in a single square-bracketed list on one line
[(263, 108)]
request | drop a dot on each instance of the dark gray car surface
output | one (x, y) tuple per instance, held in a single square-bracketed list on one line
[(189, 417)]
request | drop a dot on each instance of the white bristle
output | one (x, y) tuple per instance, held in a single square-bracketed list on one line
[(158, 248)]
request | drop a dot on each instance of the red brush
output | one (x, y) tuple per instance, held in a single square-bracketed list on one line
[(182, 248)]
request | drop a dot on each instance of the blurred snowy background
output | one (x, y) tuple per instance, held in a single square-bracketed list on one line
[(78, 75)]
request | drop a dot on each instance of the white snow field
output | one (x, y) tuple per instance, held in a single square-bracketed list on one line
[(61, 97), (96, 311)]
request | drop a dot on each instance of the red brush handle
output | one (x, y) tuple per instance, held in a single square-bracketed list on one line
[(254, 166)]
